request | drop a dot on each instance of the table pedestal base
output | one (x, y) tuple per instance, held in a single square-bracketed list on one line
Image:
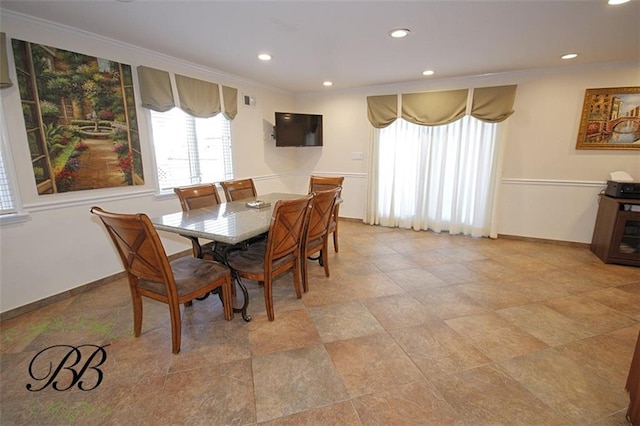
[(219, 254)]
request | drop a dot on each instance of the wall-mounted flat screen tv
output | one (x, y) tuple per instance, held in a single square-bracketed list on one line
[(298, 129)]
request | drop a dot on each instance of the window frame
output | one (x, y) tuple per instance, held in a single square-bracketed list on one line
[(17, 214), (228, 162)]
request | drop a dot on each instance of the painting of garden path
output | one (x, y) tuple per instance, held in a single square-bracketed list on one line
[(80, 119)]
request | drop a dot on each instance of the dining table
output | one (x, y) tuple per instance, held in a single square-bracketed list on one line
[(230, 225)]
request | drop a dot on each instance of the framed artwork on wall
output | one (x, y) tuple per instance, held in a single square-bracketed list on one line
[(80, 119), (610, 119)]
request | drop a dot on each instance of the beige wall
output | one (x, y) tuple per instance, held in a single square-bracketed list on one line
[(60, 246), (548, 188)]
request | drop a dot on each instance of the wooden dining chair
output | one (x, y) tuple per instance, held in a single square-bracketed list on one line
[(265, 260), (195, 197), (152, 275), (239, 189), (322, 183), (316, 234)]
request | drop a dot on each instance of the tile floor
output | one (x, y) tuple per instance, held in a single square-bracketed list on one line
[(411, 328)]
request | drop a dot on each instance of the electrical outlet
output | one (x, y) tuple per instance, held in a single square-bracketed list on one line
[(357, 156)]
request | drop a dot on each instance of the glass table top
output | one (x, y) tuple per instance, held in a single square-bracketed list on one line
[(229, 223)]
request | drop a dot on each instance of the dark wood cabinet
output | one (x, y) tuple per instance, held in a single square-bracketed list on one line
[(616, 236)]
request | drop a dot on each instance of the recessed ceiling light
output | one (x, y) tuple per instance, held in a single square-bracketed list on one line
[(327, 83), (399, 32), (569, 56), (264, 57), (428, 72), (616, 2)]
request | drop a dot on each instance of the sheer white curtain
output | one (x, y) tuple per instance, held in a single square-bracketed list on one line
[(441, 178)]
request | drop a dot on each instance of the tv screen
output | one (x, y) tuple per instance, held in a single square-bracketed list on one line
[(298, 129)]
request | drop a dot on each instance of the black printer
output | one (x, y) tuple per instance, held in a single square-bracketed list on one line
[(623, 189)]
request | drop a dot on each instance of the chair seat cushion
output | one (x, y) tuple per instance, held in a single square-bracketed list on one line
[(314, 245), (190, 274), (251, 260)]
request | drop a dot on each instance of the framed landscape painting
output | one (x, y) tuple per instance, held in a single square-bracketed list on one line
[(80, 119), (610, 119)]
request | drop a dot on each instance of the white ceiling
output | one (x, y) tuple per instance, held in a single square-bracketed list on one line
[(347, 42)]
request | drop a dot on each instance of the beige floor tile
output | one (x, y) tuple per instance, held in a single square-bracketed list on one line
[(545, 324), (436, 349), (494, 336), (410, 328), (371, 364), (293, 381), (213, 394), (394, 262), (372, 285), (455, 273), (416, 279), (211, 343), (344, 321), (495, 294), (292, 330), (569, 387), (449, 302), (487, 396), (399, 310), (592, 315), (341, 413), (618, 299), (608, 274), (571, 281), (415, 403)]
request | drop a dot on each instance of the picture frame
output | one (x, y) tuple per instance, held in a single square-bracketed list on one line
[(610, 119)]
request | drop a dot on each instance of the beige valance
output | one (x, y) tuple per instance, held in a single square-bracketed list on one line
[(434, 108), (493, 104), (230, 97), (382, 110), (198, 98), (490, 104), (5, 81), (155, 89)]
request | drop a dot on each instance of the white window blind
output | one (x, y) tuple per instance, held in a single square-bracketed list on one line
[(7, 198), (191, 150)]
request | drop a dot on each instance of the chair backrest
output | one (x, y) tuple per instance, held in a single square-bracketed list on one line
[(239, 189), (138, 245), (321, 207), (286, 228), (197, 196), (322, 183)]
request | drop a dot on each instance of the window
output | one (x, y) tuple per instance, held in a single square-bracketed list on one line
[(191, 150), (8, 198), (436, 177), (7, 204)]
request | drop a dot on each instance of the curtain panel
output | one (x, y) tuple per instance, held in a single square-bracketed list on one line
[(382, 110), (155, 89), (198, 98), (489, 104), (493, 104), (230, 98), (434, 108), (5, 81)]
